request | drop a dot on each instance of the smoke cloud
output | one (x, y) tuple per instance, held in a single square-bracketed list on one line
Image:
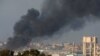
[(54, 15)]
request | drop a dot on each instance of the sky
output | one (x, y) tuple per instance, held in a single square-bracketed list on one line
[(12, 10), (10, 13)]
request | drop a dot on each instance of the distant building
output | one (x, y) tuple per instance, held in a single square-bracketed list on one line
[(89, 46), (72, 55), (55, 55)]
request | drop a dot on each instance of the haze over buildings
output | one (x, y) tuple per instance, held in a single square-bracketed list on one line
[(8, 7)]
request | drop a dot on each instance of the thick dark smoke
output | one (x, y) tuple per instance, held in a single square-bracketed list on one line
[(54, 15)]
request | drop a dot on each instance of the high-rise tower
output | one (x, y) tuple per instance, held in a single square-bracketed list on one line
[(89, 46)]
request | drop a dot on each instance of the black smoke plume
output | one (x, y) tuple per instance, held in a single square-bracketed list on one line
[(54, 15)]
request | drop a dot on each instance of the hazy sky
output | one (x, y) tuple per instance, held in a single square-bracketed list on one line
[(12, 10)]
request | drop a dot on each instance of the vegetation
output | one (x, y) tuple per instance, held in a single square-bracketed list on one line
[(32, 52), (6, 52)]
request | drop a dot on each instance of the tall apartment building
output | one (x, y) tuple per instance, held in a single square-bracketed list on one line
[(89, 46)]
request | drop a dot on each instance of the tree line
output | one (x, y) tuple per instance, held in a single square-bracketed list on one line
[(31, 52)]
